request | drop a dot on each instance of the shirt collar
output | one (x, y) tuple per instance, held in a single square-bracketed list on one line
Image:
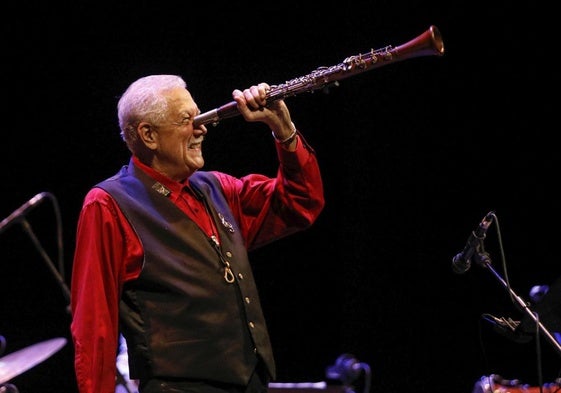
[(164, 185)]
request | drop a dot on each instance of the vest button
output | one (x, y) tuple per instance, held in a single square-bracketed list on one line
[(247, 300), (251, 325), (228, 254), (240, 276)]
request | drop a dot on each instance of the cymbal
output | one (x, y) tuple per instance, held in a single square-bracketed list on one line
[(20, 361)]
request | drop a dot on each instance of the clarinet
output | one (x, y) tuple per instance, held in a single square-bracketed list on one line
[(429, 43)]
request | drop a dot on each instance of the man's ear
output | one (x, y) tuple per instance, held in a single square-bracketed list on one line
[(148, 134)]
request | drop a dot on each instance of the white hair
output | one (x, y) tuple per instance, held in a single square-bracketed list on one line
[(144, 101)]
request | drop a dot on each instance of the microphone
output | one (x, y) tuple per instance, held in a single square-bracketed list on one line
[(21, 211), (462, 261)]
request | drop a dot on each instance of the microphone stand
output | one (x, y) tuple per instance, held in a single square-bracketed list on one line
[(58, 276), (482, 258)]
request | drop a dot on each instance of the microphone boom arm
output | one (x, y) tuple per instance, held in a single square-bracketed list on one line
[(525, 307)]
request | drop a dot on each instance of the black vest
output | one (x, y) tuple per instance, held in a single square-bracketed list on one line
[(181, 318)]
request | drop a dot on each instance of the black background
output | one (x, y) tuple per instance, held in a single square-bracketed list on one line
[(413, 155)]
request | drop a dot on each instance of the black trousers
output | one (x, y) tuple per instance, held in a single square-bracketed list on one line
[(258, 383)]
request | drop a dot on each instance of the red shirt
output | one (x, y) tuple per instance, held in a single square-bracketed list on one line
[(108, 252)]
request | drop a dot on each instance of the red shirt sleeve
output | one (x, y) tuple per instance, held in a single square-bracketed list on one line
[(268, 209), (107, 253)]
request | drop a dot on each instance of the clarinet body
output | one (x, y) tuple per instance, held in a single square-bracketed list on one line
[(429, 43)]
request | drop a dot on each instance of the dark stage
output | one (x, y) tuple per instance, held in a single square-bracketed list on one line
[(414, 154)]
